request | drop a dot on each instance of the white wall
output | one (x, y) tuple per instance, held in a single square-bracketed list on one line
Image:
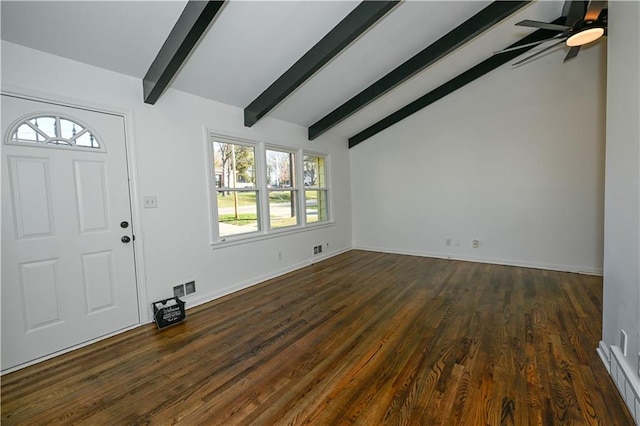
[(169, 140), (514, 160), (622, 191)]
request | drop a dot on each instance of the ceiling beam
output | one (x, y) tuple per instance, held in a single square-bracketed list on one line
[(472, 27), (352, 26), (454, 84), (574, 10), (192, 23)]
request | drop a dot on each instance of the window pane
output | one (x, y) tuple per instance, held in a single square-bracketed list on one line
[(46, 125), (280, 169), (314, 172), (235, 165), (68, 129), (237, 212), (54, 131), (87, 139), (316, 206), (282, 208), (27, 134)]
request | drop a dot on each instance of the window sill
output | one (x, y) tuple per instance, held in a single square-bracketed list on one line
[(237, 240)]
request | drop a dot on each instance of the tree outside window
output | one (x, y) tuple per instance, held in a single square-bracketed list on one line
[(237, 192), (282, 189), (262, 189)]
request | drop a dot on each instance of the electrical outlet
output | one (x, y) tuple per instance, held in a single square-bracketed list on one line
[(279, 254), (475, 243), (448, 242), (190, 287), (150, 202), (623, 342)]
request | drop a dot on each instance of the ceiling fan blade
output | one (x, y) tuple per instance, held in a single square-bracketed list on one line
[(535, 43), (573, 52), (593, 12), (542, 25), (538, 53), (574, 11)]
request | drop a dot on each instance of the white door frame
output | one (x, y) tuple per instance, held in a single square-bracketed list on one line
[(144, 311)]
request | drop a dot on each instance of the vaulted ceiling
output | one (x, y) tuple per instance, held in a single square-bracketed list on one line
[(250, 44)]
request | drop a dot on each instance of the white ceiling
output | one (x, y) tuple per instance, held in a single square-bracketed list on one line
[(251, 43)]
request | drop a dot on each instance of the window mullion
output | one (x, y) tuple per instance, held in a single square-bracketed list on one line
[(266, 179), (263, 191), (300, 186)]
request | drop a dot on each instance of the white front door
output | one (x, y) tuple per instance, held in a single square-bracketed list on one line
[(68, 273)]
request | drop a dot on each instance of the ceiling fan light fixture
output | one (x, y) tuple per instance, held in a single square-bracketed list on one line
[(585, 36)]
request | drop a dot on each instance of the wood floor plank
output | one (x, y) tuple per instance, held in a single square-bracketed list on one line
[(361, 338)]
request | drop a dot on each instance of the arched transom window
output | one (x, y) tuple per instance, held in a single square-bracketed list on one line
[(54, 130)]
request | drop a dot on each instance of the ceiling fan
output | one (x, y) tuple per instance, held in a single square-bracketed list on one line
[(585, 23)]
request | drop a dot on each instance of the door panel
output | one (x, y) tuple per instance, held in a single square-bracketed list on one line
[(91, 193), (39, 293), (98, 281), (30, 182), (67, 277)]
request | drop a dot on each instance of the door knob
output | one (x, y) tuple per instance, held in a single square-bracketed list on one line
[(125, 239), (124, 224)]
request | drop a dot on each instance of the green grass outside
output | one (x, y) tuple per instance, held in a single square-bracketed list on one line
[(242, 219), (244, 199), (250, 218), (249, 199)]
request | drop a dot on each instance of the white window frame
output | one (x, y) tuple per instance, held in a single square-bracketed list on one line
[(68, 143), (327, 187), (297, 188), (265, 231), (213, 189)]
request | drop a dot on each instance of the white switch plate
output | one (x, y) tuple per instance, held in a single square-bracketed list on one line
[(150, 202)]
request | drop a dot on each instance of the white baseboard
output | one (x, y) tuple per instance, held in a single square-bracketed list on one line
[(494, 261), (193, 301), (626, 381), (603, 352)]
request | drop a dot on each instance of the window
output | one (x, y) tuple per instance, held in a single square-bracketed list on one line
[(262, 190), (236, 191), (315, 189), (53, 130), (283, 192)]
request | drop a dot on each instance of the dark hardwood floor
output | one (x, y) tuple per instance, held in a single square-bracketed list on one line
[(365, 338)]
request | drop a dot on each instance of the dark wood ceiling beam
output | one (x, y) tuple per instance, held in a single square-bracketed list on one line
[(352, 26), (192, 23), (454, 84), (472, 27), (574, 10)]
